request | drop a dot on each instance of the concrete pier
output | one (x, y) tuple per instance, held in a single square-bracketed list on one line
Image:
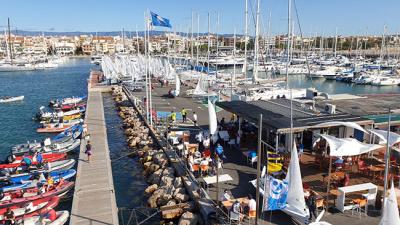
[(94, 198)]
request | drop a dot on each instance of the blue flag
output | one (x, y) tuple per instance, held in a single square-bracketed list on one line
[(159, 21), (276, 194)]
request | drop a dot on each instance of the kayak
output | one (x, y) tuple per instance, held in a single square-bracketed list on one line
[(56, 175), (63, 147), (11, 99), (47, 157), (62, 218), (39, 207), (33, 193)]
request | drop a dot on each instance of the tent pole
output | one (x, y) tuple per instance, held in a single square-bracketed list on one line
[(258, 168), (329, 182), (387, 160)]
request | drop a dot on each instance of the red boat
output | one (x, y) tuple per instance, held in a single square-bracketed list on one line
[(47, 157), (32, 194), (71, 106), (37, 207)]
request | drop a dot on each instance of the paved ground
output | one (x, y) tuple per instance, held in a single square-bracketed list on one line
[(236, 166), (94, 198)]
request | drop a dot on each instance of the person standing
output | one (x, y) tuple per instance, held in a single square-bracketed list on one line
[(88, 151), (184, 115), (195, 118), (173, 117), (311, 205)]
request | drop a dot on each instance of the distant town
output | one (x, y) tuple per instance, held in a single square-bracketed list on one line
[(181, 43)]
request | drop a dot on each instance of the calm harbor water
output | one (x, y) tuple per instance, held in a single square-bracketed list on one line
[(38, 87)]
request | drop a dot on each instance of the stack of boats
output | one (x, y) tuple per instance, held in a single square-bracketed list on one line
[(66, 113), (36, 175)]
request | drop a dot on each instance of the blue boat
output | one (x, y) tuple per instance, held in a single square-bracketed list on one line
[(74, 131), (13, 186), (28, 178)]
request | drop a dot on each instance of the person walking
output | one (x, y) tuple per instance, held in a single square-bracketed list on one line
[(195, 118), (88, 151), (184, 115), (173, 117), (310, 202)]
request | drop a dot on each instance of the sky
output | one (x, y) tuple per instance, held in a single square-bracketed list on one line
[(349, 17)]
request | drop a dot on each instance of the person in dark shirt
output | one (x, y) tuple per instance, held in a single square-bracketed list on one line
[(88, 150), (311, 204)]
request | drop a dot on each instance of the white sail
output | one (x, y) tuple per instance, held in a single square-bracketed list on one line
[(199, 90), (212, 118), (390, 215), (177, 86), (296, 204)]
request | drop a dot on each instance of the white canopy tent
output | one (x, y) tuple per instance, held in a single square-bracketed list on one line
[(347, 146), (346, 124), (382, 134)]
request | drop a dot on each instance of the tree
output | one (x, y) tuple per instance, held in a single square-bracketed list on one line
[(79, 50)]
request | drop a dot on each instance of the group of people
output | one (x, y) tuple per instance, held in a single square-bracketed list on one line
[(238, 210), (184, 113)]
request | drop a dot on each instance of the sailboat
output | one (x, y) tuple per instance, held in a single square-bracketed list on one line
[(177, 90), (390, 215)]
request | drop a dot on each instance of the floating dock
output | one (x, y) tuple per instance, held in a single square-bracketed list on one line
[(94, 198)]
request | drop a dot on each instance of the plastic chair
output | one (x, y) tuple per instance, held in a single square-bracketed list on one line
[(203, 168), (252, 215), (361, 167), (195, 168)]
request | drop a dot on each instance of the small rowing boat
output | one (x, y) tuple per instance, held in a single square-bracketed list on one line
[(58, 127), (11, 99)]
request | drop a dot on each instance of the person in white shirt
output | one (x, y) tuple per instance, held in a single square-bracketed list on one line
[(252, 203), (224, 196), (195, 118), (204, 162)]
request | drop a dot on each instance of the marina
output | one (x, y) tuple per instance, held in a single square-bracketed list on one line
[(211, 113)]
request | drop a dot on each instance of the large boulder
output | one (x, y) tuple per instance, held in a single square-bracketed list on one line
[(188, 218), (180, 198), (166, 180), (151, 189), (155, 177), (179, 191), (178, 182)]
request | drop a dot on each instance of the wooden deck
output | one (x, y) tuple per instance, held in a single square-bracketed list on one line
[(94, 197)]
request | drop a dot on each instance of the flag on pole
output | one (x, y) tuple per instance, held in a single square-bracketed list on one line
[(159, 21), (276, 194)]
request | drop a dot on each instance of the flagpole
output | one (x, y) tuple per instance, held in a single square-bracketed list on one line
[(387, 159), (146, 70), (258, 168), (148, 64), (208, 46)]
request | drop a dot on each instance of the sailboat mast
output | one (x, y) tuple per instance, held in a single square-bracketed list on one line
[(197, 44), (137, 41), (233, 77), (288, 44), (9, 41), (216, 58), (246, 13), (191, 39), (208, 46), (336, 42), (255, 75)]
